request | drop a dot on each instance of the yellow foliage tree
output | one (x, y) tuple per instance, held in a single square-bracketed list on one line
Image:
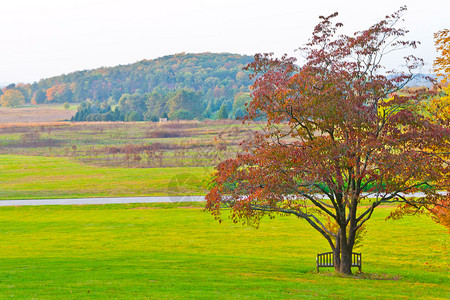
[(441, 105), (442, 62), (12, 98), (439, 108)]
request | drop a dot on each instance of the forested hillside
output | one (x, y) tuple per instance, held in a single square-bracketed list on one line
[(180, 86)]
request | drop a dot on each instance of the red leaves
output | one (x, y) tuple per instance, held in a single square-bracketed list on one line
[(330, 131)]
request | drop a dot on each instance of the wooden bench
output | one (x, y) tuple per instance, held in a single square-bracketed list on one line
[(325, 260)]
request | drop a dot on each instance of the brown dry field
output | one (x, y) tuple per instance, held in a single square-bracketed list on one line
[(34, 114)]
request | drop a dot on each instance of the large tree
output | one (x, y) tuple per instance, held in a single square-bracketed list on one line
[(11, 98), (341, 138)]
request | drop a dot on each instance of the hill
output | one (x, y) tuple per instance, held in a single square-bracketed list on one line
[(182, 86)]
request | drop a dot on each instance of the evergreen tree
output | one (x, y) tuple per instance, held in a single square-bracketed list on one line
[(223, 112)]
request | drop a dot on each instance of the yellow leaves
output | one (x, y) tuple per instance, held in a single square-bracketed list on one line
[(439, 108), (383, 107), (442, 62), (390, 106), (12, 98), (435, 109)]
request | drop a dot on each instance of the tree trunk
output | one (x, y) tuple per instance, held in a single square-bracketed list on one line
[(337, 253), (346, 261), (342, 254)]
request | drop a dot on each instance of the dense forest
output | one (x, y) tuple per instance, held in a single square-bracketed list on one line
[(180, 86)]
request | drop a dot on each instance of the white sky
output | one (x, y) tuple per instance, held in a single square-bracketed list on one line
[(43, 38)]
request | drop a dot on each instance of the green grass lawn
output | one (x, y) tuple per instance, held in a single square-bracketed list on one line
[(34, 177), (177, 251)]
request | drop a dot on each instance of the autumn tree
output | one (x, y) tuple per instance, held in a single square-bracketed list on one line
[(442, 68), (39, 97), (26, 91), (59, 93), (439, 109), (11, 98), (442, 62), (339, 140)]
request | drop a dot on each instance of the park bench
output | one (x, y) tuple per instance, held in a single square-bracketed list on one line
[(324, 260)]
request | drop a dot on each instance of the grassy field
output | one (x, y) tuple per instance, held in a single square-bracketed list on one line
[(34, 177), (36, 113), (128, 145), (72, 160), (177, 251)]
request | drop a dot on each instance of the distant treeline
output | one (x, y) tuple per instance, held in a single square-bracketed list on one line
[(181, 86), (182, 104)]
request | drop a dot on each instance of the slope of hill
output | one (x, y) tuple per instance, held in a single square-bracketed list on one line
[(180, 85)]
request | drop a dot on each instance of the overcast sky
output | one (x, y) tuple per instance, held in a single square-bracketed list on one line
[(43, 38)]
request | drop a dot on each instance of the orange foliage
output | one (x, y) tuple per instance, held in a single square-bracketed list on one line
[(440, 109), (442, 63), (54, 91), (324, 137), (441, 212)]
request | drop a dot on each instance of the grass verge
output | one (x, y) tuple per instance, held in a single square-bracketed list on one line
[(37, 177)]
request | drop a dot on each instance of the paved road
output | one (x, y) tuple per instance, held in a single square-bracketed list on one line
[(116, 200), (83, 201)]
